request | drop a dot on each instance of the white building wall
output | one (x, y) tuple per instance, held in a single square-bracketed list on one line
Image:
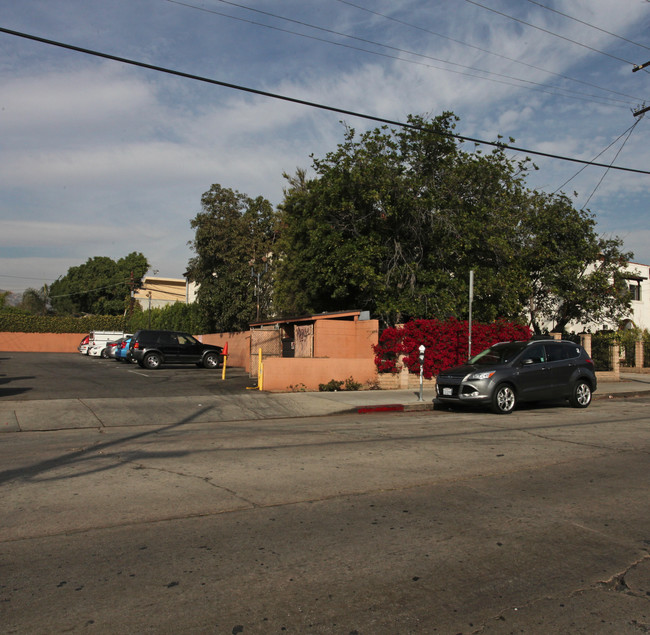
[(640, 309)]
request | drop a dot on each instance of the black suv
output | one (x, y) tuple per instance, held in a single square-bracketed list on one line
[(153, 348), (509, 372)]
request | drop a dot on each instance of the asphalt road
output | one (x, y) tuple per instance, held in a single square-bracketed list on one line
[(463, 522), (27, 376)]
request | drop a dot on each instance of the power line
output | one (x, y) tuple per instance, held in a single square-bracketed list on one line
[(483, 50), (543, 87), (599, 154), (110, 286), (614, 159), (2, 275), (302, 102), (539, 28), (539, 4)]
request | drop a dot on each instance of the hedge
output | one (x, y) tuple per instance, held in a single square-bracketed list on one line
[(446, 343), (23, 323)]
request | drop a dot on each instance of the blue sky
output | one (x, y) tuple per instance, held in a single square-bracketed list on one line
[(100, 158)]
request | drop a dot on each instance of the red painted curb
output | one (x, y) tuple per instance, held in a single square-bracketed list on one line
[(385, 408)]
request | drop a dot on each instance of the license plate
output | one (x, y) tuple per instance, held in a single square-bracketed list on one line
[(447, 392)]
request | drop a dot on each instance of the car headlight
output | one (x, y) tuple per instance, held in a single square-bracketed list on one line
[(486, 374)]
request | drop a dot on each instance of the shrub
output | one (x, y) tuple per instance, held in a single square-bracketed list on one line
[(331, 386), (446, 343)]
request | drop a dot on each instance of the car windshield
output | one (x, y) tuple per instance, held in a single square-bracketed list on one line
[(497, 354)]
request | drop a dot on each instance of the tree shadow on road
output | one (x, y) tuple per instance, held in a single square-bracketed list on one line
[(84, 455)]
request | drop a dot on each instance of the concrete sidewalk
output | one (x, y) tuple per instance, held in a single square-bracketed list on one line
[(61, 414)]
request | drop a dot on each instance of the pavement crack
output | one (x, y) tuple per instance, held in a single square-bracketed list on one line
[(619, 583), (83, 403), (204, 479)]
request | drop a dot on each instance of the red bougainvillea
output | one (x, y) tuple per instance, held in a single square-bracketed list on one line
[(446, 343)]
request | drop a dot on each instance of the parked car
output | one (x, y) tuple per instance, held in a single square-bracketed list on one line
[(83, 345), (512, 372), (152, 348), (121, 350), (99, 340)]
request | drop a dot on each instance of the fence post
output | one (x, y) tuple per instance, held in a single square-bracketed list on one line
[(403, 373), (638, 353), (585, 342), (615, 359)]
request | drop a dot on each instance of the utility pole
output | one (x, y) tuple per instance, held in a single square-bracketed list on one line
[(641, 111), (131, 284)]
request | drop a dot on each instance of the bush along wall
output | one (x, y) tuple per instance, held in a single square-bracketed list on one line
[(446, 343), (23, 323)]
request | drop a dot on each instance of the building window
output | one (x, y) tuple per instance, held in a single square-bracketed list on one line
[(635, 290)]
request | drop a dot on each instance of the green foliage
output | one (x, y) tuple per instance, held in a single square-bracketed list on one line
[(394, 220), (574, 275), (234, 242), (175, 317), (3, 300), (100, 286), (332, 385), (35, 301), (24, 323), (350, 384)]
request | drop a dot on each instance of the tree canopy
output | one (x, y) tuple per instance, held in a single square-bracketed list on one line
[(100, 286), (394, 220), (234, 242)]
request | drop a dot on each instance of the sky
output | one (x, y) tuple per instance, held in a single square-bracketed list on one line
[(102, 158)]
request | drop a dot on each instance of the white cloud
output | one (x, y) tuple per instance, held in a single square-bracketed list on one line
[(91, 147)]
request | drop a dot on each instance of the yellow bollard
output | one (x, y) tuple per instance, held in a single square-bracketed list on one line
[(225, 361), (260, 371)]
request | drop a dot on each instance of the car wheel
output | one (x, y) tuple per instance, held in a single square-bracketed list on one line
[(152, 361), (104, 353), (581, 394), (504, 400), (211, 360)]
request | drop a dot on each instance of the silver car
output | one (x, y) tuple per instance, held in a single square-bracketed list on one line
[(512, 372)]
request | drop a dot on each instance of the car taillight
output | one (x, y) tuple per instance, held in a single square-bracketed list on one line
[(136, 345), (123, 345)]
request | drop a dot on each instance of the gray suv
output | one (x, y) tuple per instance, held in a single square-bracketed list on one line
[(510, 372), (152, 348)]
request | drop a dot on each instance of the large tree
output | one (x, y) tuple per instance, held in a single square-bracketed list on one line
[(234, 243), (36, 301), (100, 286), (575, 275), (394, 220)]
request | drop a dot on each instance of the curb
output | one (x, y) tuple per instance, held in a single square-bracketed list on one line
[(394, 408)]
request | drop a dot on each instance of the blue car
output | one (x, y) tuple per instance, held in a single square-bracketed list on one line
[(120, 351)]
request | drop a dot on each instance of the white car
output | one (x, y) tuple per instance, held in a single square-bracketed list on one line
[(98, 344), (83, 345)]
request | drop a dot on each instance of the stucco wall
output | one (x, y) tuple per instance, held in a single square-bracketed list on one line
[(283, 373), (238, 347), (347, 339), (41, 342)]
